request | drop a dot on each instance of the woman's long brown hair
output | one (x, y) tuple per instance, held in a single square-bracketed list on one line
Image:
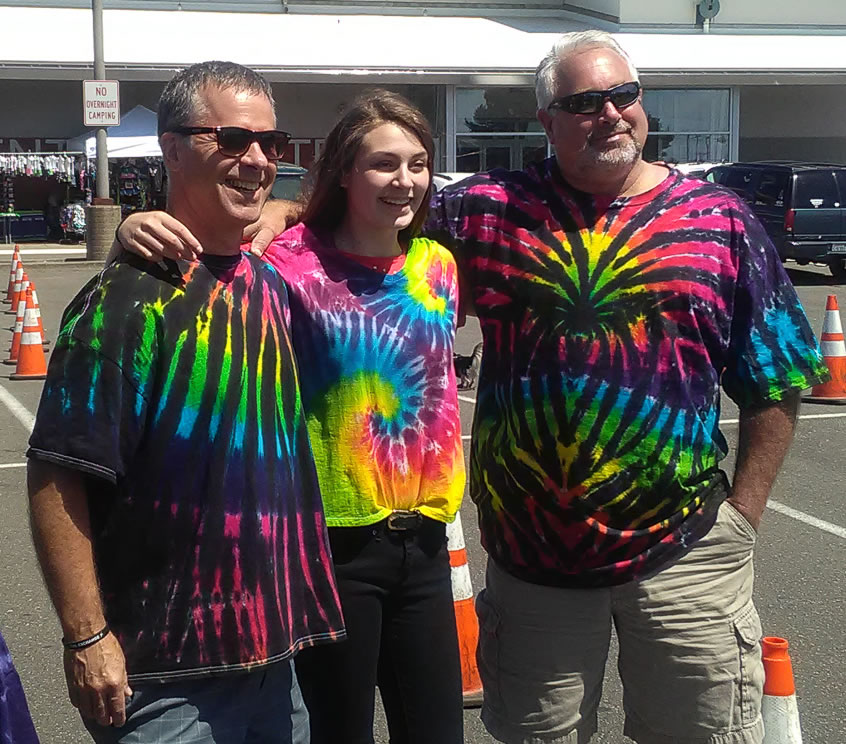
[(326, 199)]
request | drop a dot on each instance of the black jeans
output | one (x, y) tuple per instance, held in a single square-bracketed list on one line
[(397, 600)]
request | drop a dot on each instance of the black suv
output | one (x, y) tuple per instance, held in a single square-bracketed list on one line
[(802, 207)]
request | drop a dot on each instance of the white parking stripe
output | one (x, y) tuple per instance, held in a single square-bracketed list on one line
[(466, 399), (17, 408), (9, 465), (799, 516)]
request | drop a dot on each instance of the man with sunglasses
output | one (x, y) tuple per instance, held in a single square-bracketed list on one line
[(174, 499), (614, 297)]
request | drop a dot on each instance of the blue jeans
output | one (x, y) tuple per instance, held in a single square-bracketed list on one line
[(396, 595), (263, 706)]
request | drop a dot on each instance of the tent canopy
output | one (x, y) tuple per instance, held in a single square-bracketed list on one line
[(134, 137)]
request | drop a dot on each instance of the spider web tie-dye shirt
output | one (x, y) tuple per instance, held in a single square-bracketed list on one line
[(173, 388), (378, 383), (608, 327)]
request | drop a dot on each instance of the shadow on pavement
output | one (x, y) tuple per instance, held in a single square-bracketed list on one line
[(806, 277)]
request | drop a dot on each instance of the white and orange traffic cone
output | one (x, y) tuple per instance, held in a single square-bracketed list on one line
[(466, 621), (833, 348), (31, 362), (17, 331), (16, 256), (16, 289), (779, 709), (44, 341)]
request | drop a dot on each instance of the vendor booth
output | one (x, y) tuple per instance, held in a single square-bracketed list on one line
[(136, 174), (34, 186)]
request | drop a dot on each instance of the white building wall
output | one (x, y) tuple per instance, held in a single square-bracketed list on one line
[(763, 13)]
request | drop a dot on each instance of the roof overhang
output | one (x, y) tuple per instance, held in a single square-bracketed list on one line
[(44, 43)]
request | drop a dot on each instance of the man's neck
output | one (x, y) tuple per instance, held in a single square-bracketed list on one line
[(352, 237), (638, 179), (215, 240)]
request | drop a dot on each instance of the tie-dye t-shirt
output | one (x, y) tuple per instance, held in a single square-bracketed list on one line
[(608, 326), (378, 383), (173, 388)]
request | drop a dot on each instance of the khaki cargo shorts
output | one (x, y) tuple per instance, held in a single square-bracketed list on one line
[(690, 658)]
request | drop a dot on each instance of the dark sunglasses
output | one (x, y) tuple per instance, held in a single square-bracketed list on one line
[(592, 101), (235, 141)]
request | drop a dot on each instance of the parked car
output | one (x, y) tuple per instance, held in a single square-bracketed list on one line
[(289, 181), (696, 170), (802, 206), (439, 180)]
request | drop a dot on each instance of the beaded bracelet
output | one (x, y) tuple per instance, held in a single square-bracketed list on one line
[(86, 642)]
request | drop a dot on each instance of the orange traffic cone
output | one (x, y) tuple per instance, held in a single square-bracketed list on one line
[(779, 709), (16, 256), (16, 288), (834, 353), (465, 614), (44, 341), (31, 362), (16, 333)]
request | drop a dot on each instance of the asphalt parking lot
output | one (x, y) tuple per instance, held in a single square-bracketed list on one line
[(800, 557)]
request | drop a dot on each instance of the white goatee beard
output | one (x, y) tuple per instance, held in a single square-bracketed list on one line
[(626, 153)]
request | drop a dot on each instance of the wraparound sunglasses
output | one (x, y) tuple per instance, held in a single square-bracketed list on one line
[(592, 101), (235, 141)]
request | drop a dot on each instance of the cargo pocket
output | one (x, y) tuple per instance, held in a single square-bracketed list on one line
[(487, 653), (747, 629)]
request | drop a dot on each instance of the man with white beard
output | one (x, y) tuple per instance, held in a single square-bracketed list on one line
[(615, 298)]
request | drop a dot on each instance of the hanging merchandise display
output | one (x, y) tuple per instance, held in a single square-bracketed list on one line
[(65, 167), (33, 188), (136, 184)]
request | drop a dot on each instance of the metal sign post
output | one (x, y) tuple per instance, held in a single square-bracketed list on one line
[(100, 74), (102, 109)]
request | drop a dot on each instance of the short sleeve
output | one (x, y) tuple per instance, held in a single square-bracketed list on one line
[(772, 349), (94, 403)]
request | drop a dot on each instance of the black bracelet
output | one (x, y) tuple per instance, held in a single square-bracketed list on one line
[(86, 642)]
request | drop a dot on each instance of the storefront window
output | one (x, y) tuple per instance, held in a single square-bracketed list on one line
[(688, 125), (496, 128)]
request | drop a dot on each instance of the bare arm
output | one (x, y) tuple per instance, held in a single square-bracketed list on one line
[(154, 235), (61, 531), (764, 438)]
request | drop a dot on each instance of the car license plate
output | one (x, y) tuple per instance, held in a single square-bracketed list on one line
[(838, 247)]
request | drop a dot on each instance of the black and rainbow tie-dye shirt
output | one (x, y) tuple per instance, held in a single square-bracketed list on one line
[(608, 327), (173, 388)]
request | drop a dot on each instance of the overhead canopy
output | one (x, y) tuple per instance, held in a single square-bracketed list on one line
[(298, 46), (134, 137)]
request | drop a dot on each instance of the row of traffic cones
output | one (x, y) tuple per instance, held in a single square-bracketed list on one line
[(26, 351)]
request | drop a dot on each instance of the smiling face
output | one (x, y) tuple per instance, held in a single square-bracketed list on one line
[(610, 140), (388, 179), (226, 193)]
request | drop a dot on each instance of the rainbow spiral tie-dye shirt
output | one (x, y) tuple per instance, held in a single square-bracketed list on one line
[(608, 326), (173, 388), (378, 384)]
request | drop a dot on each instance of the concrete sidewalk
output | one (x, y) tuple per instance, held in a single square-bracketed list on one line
[(44, 251)]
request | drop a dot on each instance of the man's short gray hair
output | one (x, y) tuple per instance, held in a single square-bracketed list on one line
[(179, 101), (546, 76)]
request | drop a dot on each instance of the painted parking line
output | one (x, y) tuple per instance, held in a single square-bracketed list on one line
[(10, 465), (466, 399), (800, 516), (17, 409)]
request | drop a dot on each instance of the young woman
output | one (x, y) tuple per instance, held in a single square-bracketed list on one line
[(373, 318)]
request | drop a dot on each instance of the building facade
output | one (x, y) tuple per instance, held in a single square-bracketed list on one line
[(761, 79)]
